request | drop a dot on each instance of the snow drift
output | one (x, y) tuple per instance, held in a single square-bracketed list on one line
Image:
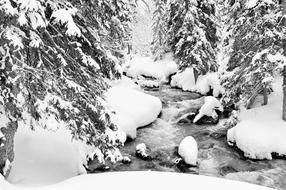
[(145, 66), (186, 81), (133, 108), (261, 131), (142, 181)]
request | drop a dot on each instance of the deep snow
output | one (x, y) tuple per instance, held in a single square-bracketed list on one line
[(186, 81), (45, 157), (140, 181), (262, 130), (133, 108), (145, 66)]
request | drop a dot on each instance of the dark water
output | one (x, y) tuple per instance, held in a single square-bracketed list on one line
[(215, 158)]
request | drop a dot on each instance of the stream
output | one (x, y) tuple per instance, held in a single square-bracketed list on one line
[(215, 157)]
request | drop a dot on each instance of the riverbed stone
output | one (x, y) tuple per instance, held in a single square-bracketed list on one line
[(207, 120), (226, 170), (219, 134)]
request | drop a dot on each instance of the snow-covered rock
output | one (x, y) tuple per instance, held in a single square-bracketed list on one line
[(145, 66), (148, 83), (133, 108), (261, 131), (141, 152), (186, 81), (211, 104), (188, 150)]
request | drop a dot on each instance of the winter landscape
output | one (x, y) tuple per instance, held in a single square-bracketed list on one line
[(142, 94)]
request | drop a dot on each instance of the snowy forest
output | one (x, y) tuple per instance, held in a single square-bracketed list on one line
[(137, 94)]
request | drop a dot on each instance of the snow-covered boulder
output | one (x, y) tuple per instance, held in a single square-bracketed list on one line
[(211, 104), (133, 108), (261, 131), (145, 66), (205, 83), (141, 152), (184, 80), (259, 140), (188, 150)]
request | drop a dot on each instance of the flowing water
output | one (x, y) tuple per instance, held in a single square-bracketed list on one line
[(215, 157)]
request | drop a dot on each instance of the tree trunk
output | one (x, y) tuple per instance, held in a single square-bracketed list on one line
[(7, 150), (284, 91), (265, 96), (284, 72)]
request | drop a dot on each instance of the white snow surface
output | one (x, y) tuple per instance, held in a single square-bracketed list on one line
[(142, 149), (186, 81), (261, 130), (146, 66), (188, 150), (133, 108), (208, 109), (152, 180), (43, 157)]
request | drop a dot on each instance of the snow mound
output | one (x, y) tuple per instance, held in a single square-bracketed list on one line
[(141, 149), (155, 180), (133, 108), (145, 66), (186, 81), (261, 131), (148, 83), (188, 150), (208, 109)]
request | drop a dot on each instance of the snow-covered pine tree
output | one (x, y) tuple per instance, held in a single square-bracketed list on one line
[(52, 67), (256, 50), (159, 29), (192, 34), (111, 19)]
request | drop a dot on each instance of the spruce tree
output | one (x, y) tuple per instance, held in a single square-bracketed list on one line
[(255, 40), (53, 64), (192, 34), (159, 30)]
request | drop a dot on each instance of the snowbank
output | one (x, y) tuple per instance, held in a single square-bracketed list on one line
[(141, 181), (188, 150), (43, 157), (261, 130), (133, 108), (145, 66), (186, 81)]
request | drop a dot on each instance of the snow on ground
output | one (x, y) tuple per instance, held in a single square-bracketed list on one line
[(145, 66), (186, 81), (262, 130), (43, 157), (188, 150), (141, 181), (208, 109), (133, 108)]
